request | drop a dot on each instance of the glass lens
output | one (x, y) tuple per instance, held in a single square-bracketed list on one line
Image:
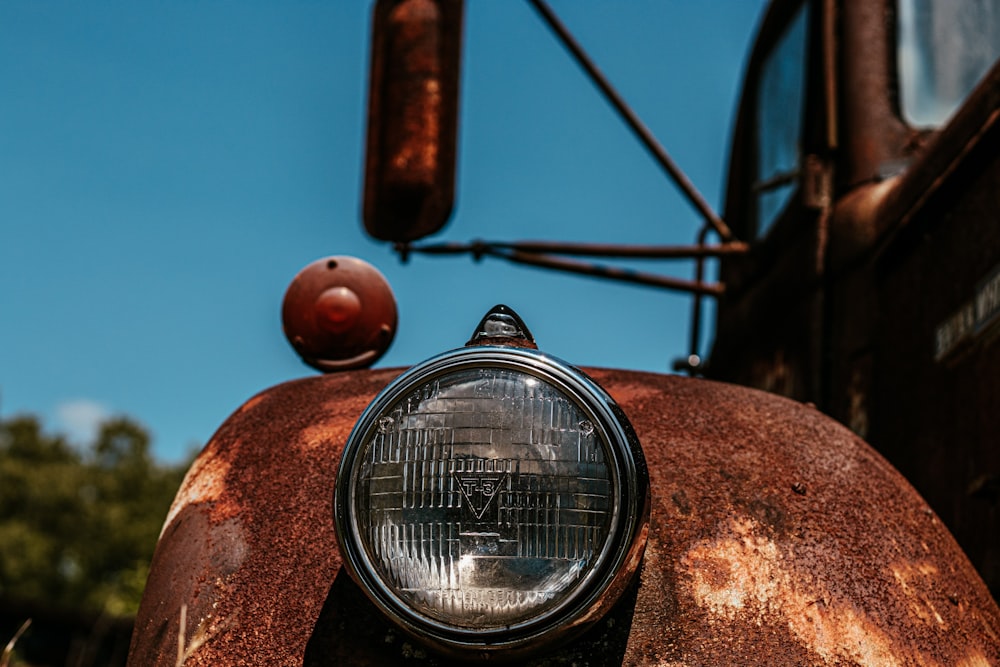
[(483, 498), (945, 47)]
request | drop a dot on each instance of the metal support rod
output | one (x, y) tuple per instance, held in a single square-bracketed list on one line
[(613, 273), (582, 249), (693, 364), (629, 251), (699, 276), (567, 265), (633, 121)]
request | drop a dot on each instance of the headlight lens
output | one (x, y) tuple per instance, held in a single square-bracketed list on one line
[(489, 496)]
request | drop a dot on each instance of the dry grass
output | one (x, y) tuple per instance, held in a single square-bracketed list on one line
[(202, 634), (8, 651)]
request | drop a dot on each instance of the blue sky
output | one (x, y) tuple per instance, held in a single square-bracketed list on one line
[(166, 168)]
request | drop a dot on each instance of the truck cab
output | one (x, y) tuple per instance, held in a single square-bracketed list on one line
[(864, 173)]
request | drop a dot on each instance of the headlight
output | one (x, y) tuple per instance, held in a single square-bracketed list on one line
[(490, 497)]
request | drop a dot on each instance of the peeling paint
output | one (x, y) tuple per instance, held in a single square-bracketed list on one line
[(742, 576), (920, 606), (204, 482), (976, 660)]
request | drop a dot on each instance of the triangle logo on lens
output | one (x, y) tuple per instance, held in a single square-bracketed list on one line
[(479, 487)]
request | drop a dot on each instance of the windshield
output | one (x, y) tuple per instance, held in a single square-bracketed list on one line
[(945, 47), (779, 125)]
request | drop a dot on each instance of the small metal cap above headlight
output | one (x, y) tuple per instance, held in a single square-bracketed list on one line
[(491, 498)]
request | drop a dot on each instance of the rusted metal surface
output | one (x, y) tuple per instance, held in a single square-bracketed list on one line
[(873, 138), (776, 537), (412, 117), (339, 313)]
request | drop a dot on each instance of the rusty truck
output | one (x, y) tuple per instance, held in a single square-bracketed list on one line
[(820, 488)]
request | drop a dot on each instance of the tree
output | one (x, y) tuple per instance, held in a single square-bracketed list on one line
[(77, 529)]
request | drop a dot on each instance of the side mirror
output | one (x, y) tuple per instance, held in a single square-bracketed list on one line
[(412, 117)]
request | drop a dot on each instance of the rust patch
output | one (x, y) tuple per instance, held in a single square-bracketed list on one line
[(630, 392), (909, 575), (975, 660), (335, 428), (251, 404), (248, 544), (742, 577)]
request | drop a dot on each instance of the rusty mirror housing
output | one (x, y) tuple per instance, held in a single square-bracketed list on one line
[(412, 117)]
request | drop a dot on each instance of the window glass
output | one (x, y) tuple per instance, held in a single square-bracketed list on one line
[(945, 47), (780, 96)]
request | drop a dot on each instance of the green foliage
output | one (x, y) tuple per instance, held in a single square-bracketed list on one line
[(77, 530)]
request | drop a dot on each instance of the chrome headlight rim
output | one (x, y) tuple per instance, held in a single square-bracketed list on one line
[(618, 560)]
